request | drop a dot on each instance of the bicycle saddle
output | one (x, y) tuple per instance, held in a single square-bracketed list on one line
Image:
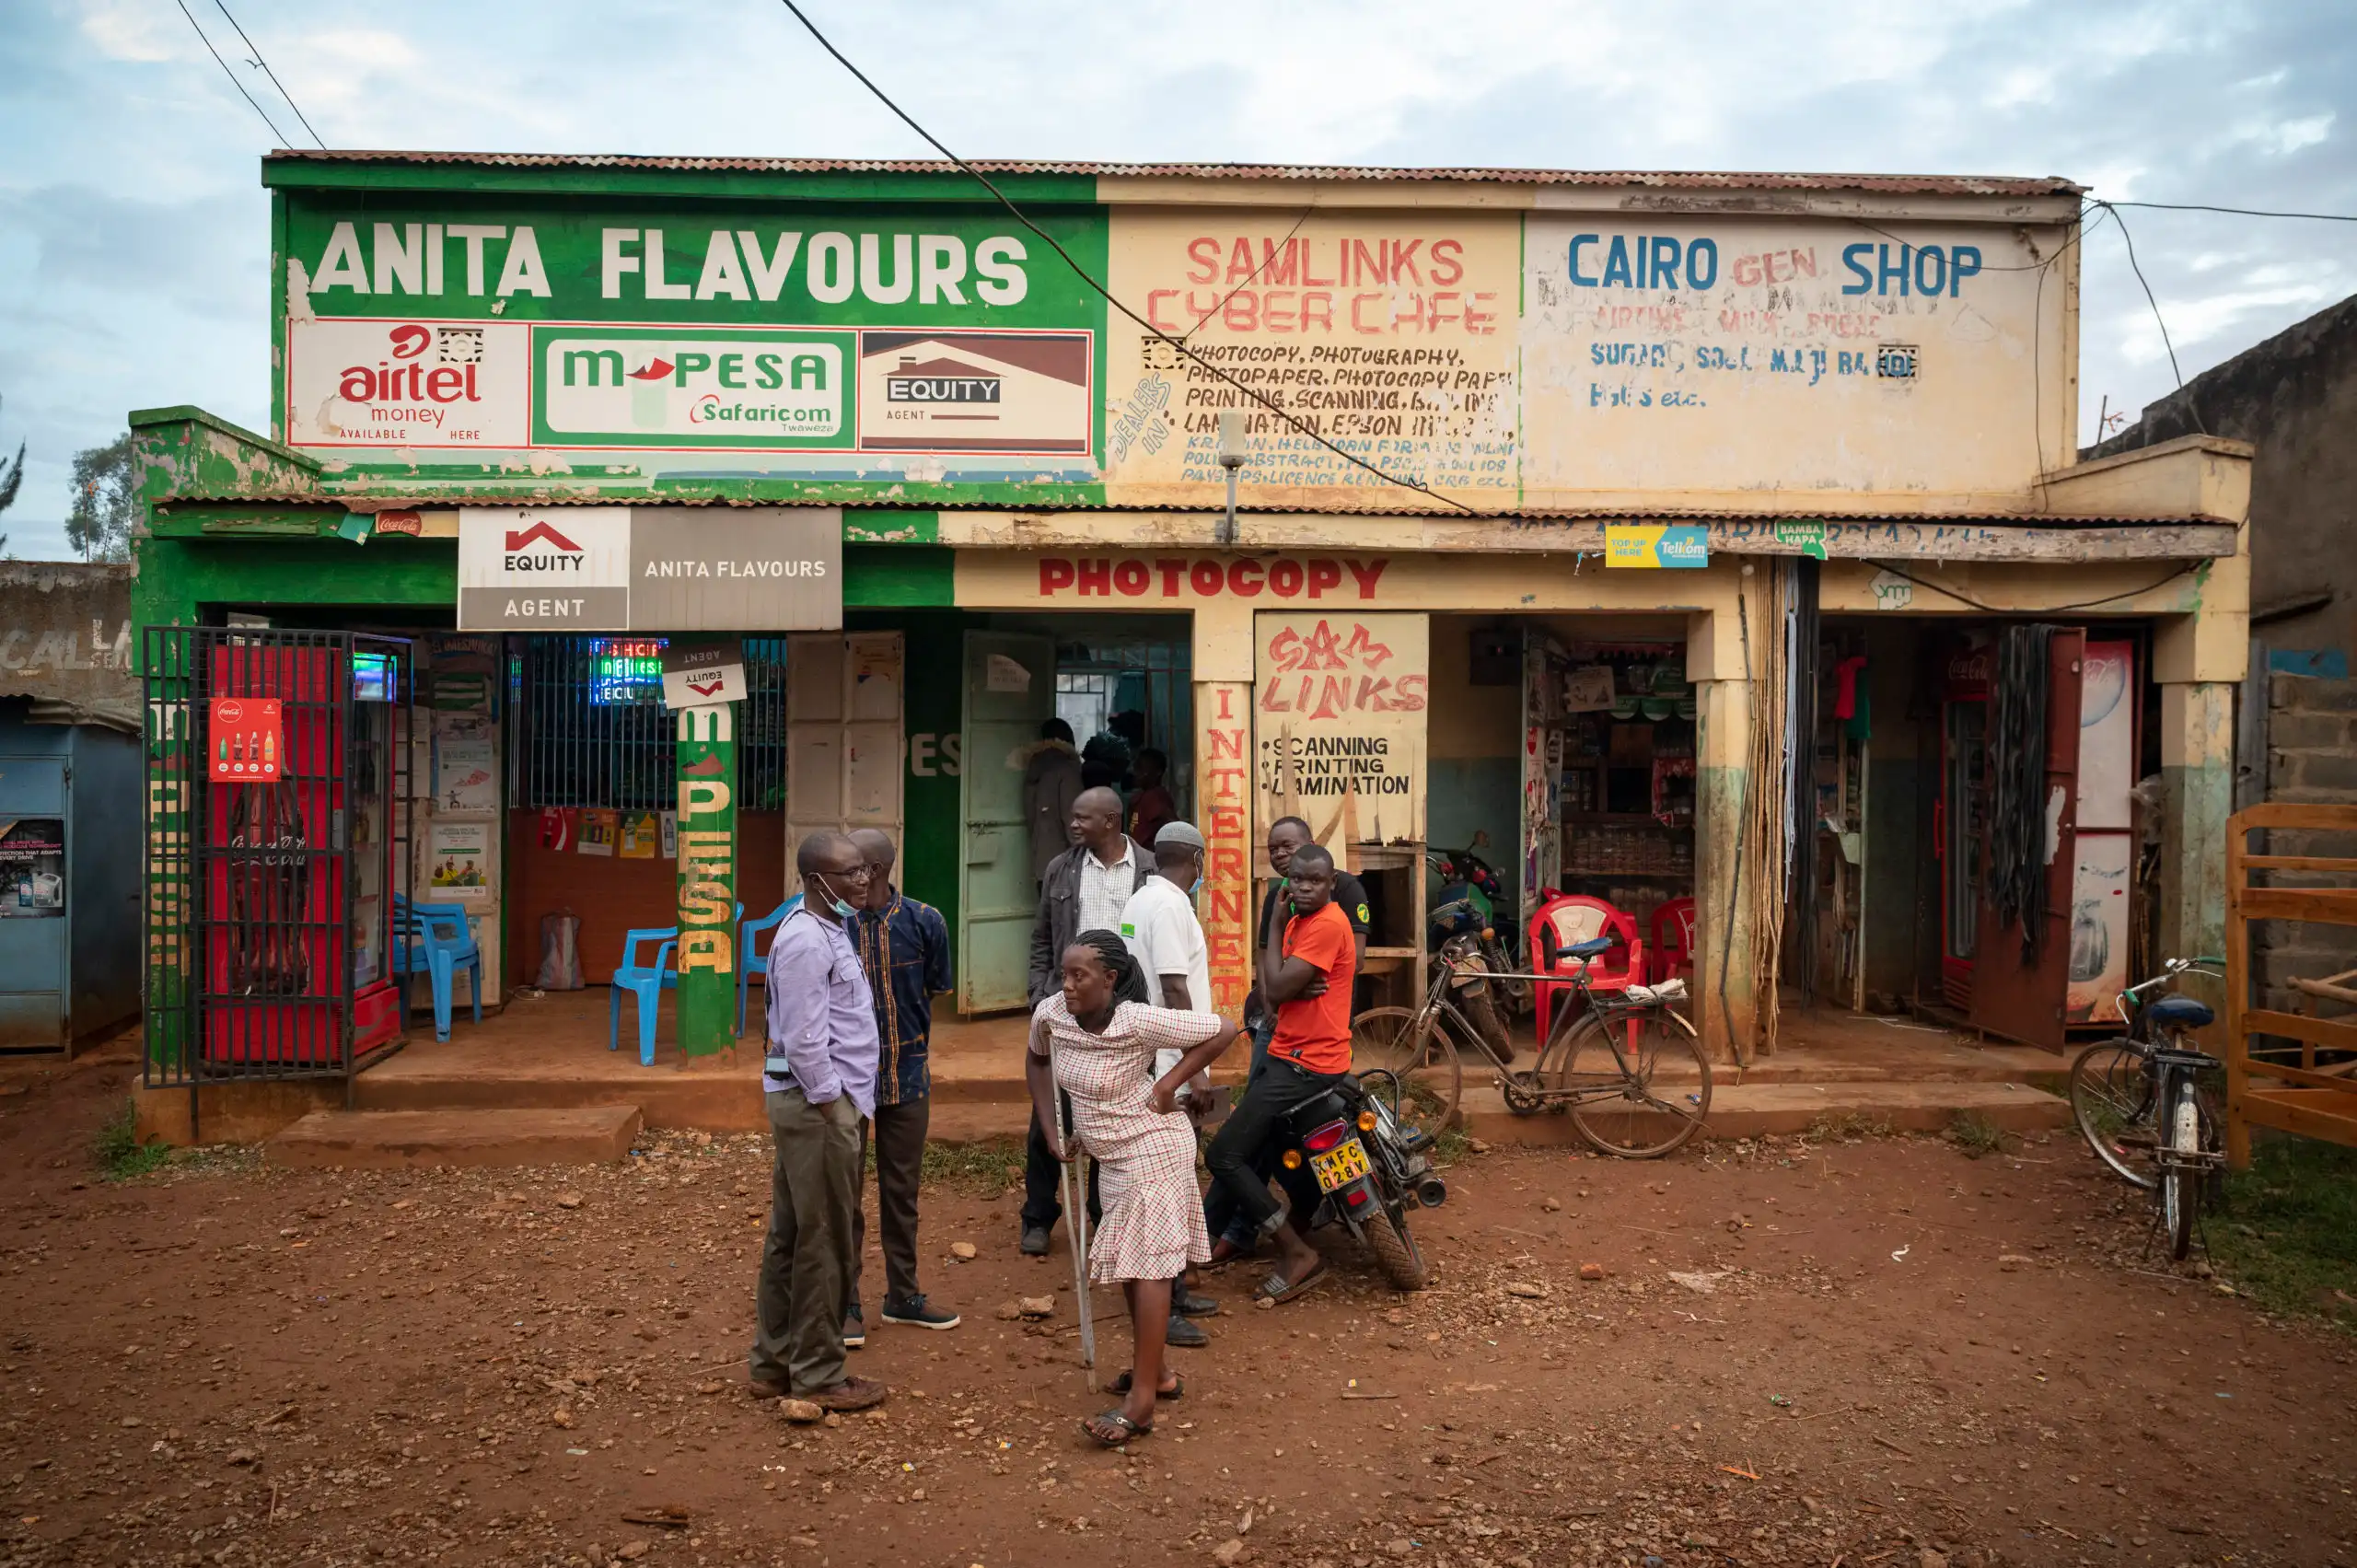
[(2178, 1013), (1587, 949)]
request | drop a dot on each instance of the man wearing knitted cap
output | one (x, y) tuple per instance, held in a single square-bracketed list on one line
[(1159, 927)]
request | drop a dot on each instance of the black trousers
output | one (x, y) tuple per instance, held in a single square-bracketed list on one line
[(1044, 1179), (899, 1130), (1269, 1099)]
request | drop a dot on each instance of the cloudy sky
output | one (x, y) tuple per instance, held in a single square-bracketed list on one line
[(134, 232)]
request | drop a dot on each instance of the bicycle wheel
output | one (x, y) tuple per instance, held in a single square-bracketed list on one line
[(1422, 1057), (1636, 1098), (2112, 1101), (2181, 1183)]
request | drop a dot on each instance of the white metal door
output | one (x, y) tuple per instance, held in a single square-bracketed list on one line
[(843, 736)]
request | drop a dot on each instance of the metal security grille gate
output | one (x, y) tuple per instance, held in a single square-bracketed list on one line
[(278, 845), (589, 728)]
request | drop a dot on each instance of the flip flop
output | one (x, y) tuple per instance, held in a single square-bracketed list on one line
[(1275, 1289), (1177, 1389), (1130, 1429)]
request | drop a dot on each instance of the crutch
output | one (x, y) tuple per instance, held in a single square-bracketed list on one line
[(1076, 1216)]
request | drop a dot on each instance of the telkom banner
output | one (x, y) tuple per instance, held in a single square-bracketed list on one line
[(650, 569)]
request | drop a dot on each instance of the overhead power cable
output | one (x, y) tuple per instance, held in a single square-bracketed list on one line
[(274, 82), (2157, 320), (277, 135), (2237, 212), (1178, 345)]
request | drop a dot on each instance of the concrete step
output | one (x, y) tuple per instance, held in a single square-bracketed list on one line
[(1754, 1110), (394, 1140)]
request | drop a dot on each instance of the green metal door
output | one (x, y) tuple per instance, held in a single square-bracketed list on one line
[(1010, 686)]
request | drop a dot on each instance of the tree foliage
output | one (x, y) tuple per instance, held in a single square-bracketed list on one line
[(12, 479), (106, 501)]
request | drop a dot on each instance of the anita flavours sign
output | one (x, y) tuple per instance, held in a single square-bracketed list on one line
[(806, 329)]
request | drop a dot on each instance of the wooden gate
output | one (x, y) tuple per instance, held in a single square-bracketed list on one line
[(2293, 1071)]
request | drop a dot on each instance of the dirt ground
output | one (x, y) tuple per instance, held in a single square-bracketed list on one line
[(1885, 1353)]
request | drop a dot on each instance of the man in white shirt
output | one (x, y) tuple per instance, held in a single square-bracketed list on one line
[(1160, 926)]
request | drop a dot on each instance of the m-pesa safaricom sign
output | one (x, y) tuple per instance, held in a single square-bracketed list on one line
[(650, 569)]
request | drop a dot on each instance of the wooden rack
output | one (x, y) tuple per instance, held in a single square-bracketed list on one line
[(2300, 1096)]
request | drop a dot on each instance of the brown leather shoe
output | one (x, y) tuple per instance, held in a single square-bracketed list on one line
[(850, 1394), (763, 1389)]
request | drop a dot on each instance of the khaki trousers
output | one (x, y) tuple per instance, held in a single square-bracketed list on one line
[(806, 1261)]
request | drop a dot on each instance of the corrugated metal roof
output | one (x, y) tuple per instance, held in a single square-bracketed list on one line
[(443, 501), (1666, 179)]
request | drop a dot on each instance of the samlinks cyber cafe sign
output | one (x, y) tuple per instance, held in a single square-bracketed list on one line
[(650, 569)]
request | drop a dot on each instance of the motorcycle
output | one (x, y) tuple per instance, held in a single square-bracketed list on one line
[(1469, 893), (1369, 1169)]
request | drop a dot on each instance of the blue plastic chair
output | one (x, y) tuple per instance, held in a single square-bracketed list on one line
[(749, 963), (434, 937), (647, 983)]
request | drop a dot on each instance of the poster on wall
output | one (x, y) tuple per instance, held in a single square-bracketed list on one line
[(599, 828), (1338, 715), (641, 831), (245, 741), (466, 765), (458, 855), (2099, 886), (2106, 736), (32, 868)]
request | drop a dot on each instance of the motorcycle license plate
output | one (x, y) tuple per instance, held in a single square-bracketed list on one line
[(1340, 1166)]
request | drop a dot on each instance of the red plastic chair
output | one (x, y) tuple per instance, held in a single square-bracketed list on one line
[(1575, 917), (1672, 941)]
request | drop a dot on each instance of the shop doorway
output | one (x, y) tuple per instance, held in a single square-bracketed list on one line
[(1563, 756), (1970, 779), (1123, 687)]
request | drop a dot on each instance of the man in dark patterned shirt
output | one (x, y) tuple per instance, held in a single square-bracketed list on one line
[(904, 948)]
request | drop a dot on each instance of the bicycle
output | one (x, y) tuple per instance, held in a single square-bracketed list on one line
[(2140, 1104), (1599, 1063)]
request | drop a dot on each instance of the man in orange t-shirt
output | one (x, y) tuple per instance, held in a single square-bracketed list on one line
[(1306, 973)]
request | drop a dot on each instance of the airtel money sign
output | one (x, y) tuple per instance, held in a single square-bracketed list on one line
[(405, 383)]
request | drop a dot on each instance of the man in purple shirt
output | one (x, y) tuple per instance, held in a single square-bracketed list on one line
[(821, 1078)]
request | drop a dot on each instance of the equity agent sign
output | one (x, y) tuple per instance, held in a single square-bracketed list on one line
[(650, 569)]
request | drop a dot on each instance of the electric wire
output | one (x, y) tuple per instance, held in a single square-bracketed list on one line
[(274, 82), (2237, 212), (1178, 345), (1970, 602), (276, 135), (2155, 304), (1267, 256)]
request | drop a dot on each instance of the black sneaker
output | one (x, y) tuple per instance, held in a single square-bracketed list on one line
[(854, 1328), (912, 1311), (1187, 1303), (1183, 1335), (1035, 1241)]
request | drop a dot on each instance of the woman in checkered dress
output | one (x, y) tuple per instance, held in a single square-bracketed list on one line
[(1095, 1040)]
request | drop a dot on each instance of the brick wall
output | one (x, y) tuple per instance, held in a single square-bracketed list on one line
[(2311, 760)]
